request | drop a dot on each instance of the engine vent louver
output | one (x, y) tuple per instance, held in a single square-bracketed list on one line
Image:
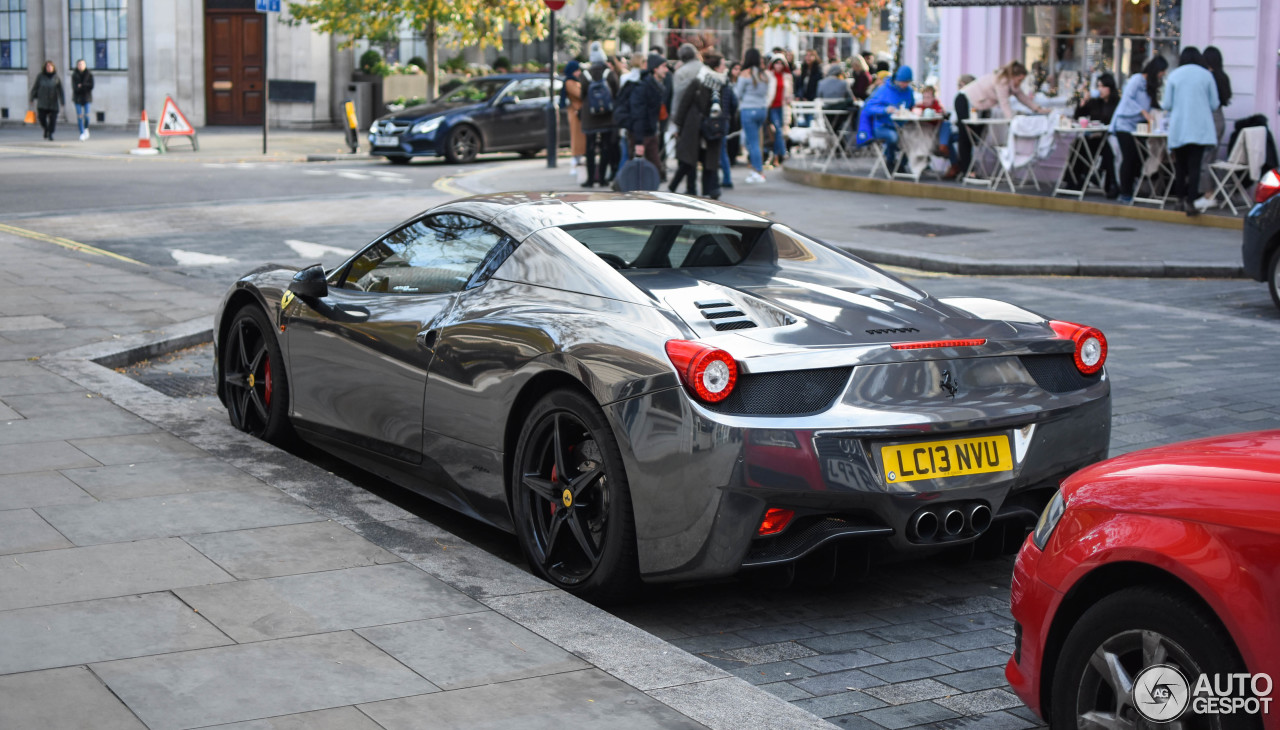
[(742, 323), (722, 313), (712, 303)]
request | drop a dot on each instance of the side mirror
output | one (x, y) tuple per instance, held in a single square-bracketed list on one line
[(310, 283), (506, 101)]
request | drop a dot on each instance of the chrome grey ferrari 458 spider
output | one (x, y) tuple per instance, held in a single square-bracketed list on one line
[(653, 387)]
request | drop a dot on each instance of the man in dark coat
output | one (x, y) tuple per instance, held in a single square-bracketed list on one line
[(703, 123), (602, 142), (82, 96), (644, 108), (49, 98)]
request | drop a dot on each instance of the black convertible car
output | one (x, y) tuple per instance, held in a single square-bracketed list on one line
[(489, 114), (651, 386)]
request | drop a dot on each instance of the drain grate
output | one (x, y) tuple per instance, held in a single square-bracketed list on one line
[(178, 385), (1119, 229), (924, 230), (931, 209)]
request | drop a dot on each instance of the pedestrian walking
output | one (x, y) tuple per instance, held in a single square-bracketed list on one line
[(754, 90), (876, 120), (1190, 96), (985, 93), (780, 104), (645, 110), (729, 107), (703, 123), (684, 75), (82, 96), (571, 100), (1136, 103), (733, 147), (628, 77), (49, 97), (1213, 62), (597, 118)]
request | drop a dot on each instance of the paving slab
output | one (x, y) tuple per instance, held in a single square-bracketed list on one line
[(295, 605), (455, 652), (733, 703), (259, 680), (44, 456), (7, 413), (591, 697), (38, 489), (101, 630), (341, 718), (88, 425), (26, 378), (24, 531), (311, 547), (175, 514), (125, 481), (102, 571), (132, 449), (62, 698)]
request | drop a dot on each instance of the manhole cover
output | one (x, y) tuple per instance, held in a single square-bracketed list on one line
[(1119, 229), (924, 230), (177, 385)]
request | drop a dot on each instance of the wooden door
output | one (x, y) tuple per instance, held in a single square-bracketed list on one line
[(235, 66)]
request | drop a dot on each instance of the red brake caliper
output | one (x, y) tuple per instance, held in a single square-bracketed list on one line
[(553, 482), (267, 387)]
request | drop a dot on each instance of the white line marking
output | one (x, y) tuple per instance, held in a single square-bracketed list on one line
[(308, 250), (195, 258)]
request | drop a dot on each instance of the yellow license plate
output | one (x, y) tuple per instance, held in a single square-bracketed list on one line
[(951, 458)]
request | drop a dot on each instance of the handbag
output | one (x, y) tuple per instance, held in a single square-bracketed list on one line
[(30, 118)]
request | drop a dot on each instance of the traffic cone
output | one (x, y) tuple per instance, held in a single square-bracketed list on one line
[(144, 138)]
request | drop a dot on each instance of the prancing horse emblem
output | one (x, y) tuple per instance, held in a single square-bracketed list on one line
[(949, 383)]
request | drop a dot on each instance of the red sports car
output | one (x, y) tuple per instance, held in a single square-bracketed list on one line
[(1149, 592)]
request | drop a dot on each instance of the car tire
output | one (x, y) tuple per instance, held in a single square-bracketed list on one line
[(399, 160), (1114, 629), (463, 144), (578, 535), (1273, 278), (255, 385), (530, 154)]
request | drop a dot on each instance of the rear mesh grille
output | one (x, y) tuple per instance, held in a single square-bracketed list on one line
[(1058, 373), (790, 393)]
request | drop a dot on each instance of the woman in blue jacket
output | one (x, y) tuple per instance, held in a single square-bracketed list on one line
[(876, 120)]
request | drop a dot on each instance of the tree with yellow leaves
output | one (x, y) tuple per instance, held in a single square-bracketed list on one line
[(848, 16), (463, 22)]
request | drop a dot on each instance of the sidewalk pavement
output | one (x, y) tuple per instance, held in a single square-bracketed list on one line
[(159, 569), (946, 236), (217, 144)]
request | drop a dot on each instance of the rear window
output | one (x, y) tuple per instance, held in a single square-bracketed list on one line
[(667, 245)]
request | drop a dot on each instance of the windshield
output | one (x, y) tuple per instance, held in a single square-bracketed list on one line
[(474, 92), (667, 245)]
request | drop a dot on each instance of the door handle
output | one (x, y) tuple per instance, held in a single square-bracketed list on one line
[(427, 338)]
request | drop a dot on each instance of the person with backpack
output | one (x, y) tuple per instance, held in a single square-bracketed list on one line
[(703, 123), (597, 118), (621, 105)]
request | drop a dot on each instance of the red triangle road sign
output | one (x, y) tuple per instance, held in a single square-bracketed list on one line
[(172, 120)]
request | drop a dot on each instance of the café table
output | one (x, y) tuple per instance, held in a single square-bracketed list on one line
[(1155, 168), (917, 138), (1083, 149), (985, 142)]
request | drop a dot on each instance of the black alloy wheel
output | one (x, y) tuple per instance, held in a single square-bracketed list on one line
[(1119, 637), (463, 144), (571, 500), (253, 377)]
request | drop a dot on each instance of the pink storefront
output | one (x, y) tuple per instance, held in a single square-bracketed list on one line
[(1069, 42)]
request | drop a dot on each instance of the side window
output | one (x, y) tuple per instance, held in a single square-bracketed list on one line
[(529, 90), (433, 255)]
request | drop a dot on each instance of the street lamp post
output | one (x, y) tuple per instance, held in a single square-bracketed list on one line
[(553, 115)]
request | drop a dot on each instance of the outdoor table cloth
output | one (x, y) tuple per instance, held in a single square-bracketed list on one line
[(1155, 168), (1081, 149), (917, 138)]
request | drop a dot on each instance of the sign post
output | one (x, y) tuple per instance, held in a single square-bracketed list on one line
[(553, 114), (267, 7)]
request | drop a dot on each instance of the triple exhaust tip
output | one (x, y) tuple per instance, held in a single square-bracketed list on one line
[(926, 524)]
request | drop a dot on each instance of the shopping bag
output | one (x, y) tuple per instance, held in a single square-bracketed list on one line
[(30, 118)]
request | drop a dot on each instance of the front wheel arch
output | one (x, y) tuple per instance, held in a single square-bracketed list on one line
[(1095, 586)]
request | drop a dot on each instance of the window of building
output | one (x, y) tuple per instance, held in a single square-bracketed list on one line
[(13, 33), (100, 33), (1066, 47), (928, 43)]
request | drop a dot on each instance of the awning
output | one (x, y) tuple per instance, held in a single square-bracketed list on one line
[(1019, 3)]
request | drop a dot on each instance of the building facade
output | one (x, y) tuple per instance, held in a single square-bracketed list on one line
[(211, 56), (1065, 45)]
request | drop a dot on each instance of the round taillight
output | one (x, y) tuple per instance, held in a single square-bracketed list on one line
[(708, 371), (1091, 345)]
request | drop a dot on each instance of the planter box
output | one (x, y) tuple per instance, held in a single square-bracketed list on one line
[(406, 85)]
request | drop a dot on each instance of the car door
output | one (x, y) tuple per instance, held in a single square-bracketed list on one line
[(521, 116), (359, 357)]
